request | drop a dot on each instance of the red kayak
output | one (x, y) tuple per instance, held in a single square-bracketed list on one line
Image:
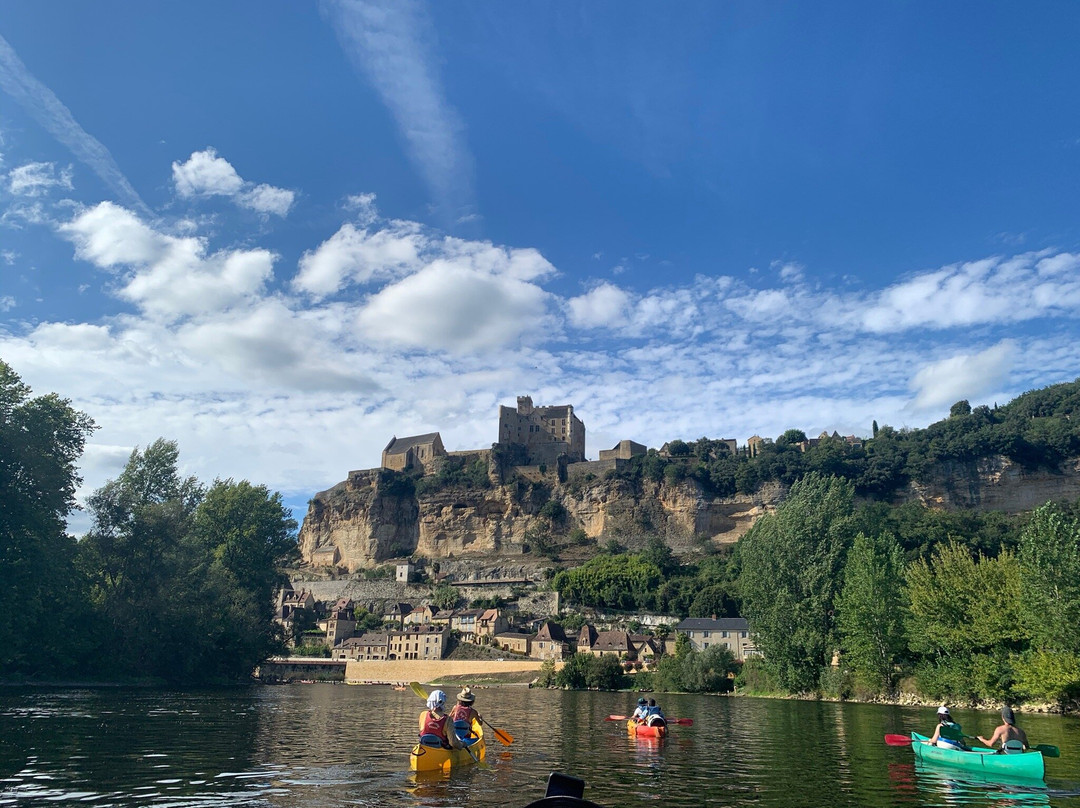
[(644, 730)]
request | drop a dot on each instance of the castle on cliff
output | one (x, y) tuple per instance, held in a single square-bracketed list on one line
[(547, 435)]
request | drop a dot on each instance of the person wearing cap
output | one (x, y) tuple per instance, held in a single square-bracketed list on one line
[(461, 717), (947, 733), (642, 711), (1011, 737), (433, 721)]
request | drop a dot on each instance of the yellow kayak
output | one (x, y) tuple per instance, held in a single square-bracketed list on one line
[(425, 758)]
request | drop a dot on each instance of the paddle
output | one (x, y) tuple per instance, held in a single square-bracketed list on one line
[(686, 722), (1047, 749), (503, 737)]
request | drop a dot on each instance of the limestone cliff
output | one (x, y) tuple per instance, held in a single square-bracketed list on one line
[(995, 484), (370, 520)]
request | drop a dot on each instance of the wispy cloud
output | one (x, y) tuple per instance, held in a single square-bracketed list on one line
[(37, 179), (42, 104), (392, 44)]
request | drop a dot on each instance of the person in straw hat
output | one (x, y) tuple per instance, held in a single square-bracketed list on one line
[(462, 718)]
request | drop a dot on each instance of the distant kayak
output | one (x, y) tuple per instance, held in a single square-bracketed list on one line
[(425, 758), (1027, 765), (644, 730)]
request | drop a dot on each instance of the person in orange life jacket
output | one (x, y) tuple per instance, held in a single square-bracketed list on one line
[(461, 718), (1012, 738), (947, 733), (642, 711), (433, 721), (655, 717)]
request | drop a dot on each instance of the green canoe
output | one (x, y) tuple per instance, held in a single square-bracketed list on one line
[(1027, 765)]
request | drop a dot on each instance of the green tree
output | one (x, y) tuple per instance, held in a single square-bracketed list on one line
[(242, 535), (960, 409), (444, 596), (135, 553), (1050, 558), (41, 440), (791, 565), (870, 610), (696, 671), (960, 606), (612, 581)]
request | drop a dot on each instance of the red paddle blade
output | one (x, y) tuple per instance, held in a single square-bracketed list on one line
[(686, 722), (898, 740), (615, 718)]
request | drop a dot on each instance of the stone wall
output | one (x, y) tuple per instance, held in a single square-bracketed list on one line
[(361, 671)]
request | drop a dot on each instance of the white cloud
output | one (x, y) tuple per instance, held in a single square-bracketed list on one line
[(37, 179), (7, 303), (451, 306), (43, 105), (359, 256), (166, 276), (990, 290), (363, 208), (206, 174), (391, 43), (601, 307), (964, 376), (268, 199)]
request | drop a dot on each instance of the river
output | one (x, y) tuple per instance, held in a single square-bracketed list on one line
[(324, 746)]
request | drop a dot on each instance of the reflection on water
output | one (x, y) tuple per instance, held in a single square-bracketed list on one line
[(333, 745)]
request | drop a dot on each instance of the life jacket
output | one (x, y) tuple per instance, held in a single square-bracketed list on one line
[(435, 726), (950, 735), (462, 717)]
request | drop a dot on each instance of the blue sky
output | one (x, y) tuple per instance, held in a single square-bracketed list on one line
[(281, 233)]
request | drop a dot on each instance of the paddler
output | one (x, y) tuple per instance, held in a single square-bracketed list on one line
[(947, 733), (433, 721), (1013, 739), (461, 718)]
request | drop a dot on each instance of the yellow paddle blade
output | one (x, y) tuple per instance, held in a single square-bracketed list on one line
[(418, 690)]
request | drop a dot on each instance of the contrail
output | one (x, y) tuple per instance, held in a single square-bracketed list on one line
[(43, 105), (390, 43)]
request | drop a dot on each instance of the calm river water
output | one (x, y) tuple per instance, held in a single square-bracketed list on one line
[(308, 746)]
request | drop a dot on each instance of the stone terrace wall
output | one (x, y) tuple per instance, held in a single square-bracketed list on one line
[(378, 670)]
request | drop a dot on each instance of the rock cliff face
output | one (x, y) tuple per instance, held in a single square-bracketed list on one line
[(995, 484), (370, 521)]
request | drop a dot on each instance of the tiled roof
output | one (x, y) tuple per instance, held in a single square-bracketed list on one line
[(612, 641), (551, 631), (713, 624), (402, 445)]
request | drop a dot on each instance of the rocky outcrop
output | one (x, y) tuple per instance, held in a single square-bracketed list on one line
[(995, 484), (370, 522), (371, 518)]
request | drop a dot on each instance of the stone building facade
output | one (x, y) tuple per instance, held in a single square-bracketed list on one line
[(545, 432), (417, 451)]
